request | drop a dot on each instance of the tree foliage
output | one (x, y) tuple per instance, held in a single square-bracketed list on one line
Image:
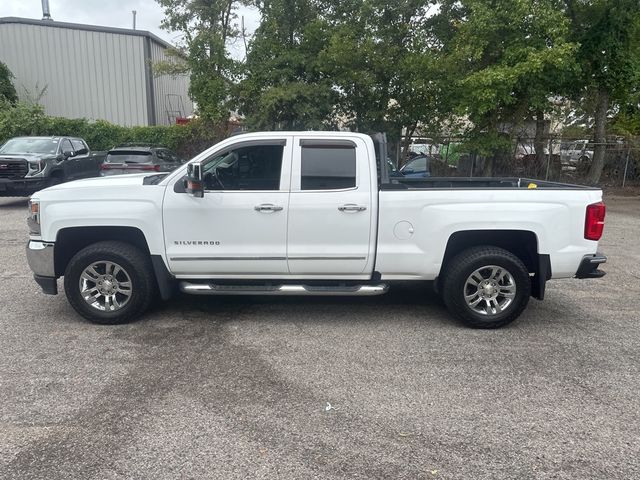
[(416, 65), (285, 85), (7, 90), (207, 26)]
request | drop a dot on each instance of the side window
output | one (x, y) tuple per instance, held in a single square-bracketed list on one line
[(65, 146), (254, 167), (79, 146), (328, 167), (173, 157)]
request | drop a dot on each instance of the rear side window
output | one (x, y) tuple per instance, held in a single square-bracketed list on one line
[(328, 167), (123, 156)]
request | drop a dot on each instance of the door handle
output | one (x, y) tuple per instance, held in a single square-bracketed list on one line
[(352, 207), (267, 207)]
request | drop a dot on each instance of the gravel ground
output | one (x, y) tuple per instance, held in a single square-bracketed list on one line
[(238, 387)]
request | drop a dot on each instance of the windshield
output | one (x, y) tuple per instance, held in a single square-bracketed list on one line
[(418, 164), (223, 161), (31, 145), (128, 157)]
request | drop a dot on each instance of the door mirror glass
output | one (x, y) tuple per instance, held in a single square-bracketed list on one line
[(195, 186)]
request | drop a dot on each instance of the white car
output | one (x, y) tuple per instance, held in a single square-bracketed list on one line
[(577, 153), (308, 213)]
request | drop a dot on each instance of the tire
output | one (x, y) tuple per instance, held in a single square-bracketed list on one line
[(117, 277), (494, 294)]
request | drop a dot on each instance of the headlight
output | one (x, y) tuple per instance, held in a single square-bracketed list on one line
[(33, 220), (36, 166)]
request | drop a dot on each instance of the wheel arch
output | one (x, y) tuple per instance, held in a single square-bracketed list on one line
[(522, 243), (71, 240)]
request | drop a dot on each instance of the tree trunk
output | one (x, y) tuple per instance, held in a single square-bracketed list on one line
[(539, 142), (597, 163), (406, 142)]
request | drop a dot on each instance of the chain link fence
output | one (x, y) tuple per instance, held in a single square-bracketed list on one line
[(566, 160)]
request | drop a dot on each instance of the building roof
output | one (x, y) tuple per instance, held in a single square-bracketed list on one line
[(81, 26)]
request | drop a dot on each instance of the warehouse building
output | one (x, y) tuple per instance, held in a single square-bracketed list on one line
[(93, 72)]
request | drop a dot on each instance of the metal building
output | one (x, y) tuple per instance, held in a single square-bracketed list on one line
[(93, 72)]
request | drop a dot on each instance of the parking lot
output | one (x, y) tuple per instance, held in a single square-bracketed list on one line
[(238, 387)]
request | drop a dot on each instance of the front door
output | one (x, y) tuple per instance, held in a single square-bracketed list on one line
[(331, 210), (68, 163), (239, 227)]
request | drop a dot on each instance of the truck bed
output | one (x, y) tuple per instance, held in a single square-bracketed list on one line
[(398, 183)]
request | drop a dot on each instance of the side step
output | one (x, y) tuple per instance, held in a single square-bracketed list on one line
[(310, 290)]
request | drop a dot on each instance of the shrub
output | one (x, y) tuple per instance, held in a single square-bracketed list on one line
[(187, 140)]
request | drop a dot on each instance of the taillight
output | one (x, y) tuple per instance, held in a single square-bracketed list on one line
[(155, 168), (594, 221), (105, 166)]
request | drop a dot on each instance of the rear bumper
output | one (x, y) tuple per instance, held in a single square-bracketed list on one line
[(41, 263), (589, 266), (22, 187)]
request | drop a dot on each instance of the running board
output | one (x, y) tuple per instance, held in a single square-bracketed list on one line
[(310, 290)]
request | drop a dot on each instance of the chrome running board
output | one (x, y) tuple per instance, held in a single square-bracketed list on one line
[(310, 290)]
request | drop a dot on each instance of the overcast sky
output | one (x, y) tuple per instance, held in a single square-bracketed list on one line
[(110, 13)]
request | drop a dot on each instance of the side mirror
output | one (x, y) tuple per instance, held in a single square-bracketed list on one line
[(67, 154), (195, 186)]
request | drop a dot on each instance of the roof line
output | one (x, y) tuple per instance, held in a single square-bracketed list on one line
[(90, 28)]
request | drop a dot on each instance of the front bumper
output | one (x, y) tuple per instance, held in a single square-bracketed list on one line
[(589, 266), (41, 262), (22, 187)]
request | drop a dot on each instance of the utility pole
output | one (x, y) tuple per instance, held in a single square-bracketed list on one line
[(134, 18)]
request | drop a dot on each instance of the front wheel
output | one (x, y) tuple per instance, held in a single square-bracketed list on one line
[(486, 287), (109, 282)]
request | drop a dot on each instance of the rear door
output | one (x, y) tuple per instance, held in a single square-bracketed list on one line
[(331, 209)]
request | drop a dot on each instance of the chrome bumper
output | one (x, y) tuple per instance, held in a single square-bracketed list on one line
[(40, 260)]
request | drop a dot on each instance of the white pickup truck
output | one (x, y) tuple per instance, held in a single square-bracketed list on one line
[(309, 213)]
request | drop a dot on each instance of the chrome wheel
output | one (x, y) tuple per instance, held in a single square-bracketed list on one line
[(105, 286), (490, 290)]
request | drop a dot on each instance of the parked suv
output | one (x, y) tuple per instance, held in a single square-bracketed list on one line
[(578, 153), (136, 158), (29, 164)]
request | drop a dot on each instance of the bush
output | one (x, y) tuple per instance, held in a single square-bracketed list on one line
[(186, 140)]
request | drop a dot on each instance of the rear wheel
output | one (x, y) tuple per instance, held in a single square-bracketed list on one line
[(109, 282), (486, 287)]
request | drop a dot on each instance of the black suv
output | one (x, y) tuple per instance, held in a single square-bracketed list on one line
[(137, 158), (29, 164)]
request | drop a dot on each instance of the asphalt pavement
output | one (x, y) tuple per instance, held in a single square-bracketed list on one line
[(232, 387)]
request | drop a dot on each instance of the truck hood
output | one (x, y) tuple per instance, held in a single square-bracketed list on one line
[(101, 182)]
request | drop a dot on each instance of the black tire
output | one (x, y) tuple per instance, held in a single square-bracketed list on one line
[(467, 262), (136, 265)]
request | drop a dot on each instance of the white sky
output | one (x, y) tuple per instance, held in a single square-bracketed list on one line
[(112, 13)]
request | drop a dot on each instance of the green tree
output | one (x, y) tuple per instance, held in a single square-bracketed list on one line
[(385, 67), (607, 31), (7, 90), (511, 56), (284, 86), (207, 27)]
